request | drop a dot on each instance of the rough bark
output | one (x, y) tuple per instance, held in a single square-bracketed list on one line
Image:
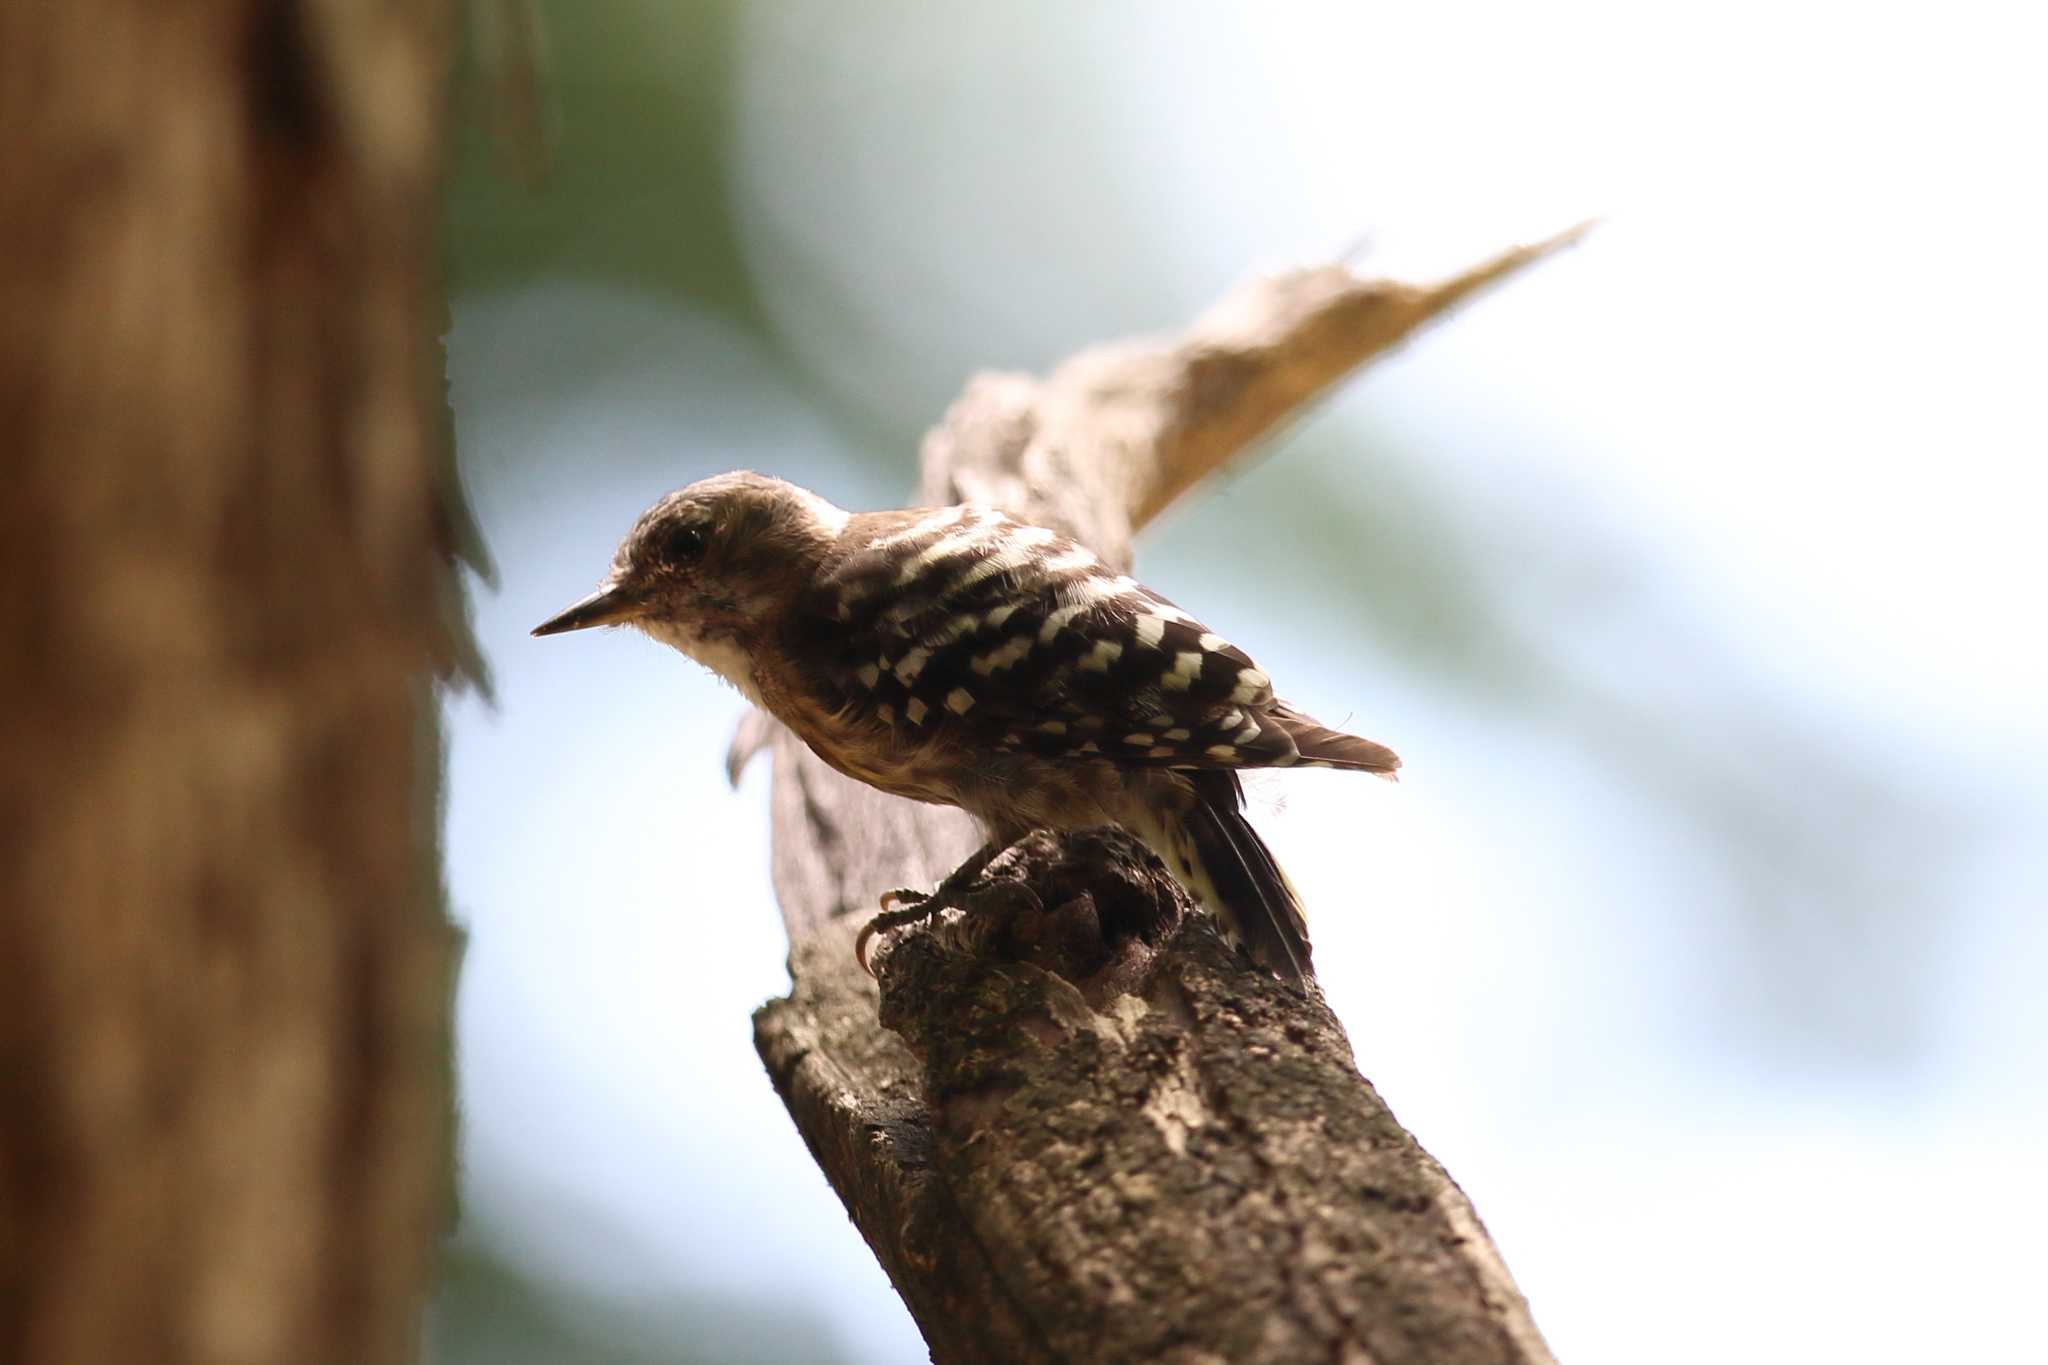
[(223, 1041), (1070, 1123)]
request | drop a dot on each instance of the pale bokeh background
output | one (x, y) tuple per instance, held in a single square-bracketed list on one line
[(1696, 575)]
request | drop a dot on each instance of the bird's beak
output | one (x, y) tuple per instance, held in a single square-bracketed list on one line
[(608, 606)]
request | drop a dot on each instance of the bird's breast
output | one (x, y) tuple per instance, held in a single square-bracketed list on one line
[(873, 754), (1006, 790)]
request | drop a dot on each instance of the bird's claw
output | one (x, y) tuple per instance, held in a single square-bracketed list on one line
[(899, 907), (905, 905)]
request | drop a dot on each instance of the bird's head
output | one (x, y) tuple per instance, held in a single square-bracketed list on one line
[(709, 566)]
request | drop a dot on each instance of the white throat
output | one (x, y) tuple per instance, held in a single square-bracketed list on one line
[(722, 657)]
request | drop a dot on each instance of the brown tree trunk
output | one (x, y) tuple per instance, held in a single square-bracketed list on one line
[(223, 1038), (1072, 1125)]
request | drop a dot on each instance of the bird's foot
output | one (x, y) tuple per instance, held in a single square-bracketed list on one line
[(899, 907), (906, 905)]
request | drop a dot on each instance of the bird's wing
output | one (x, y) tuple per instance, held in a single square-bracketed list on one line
[(1014, 637)]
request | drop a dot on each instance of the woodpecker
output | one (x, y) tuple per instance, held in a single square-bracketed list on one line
[(958, 656)]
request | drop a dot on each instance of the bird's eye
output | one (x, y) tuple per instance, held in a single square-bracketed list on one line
[(685, 543)]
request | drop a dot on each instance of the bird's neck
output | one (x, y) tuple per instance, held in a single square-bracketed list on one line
[(724, 654)]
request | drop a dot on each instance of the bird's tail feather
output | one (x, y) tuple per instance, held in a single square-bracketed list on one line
[(1227, 865), (1322, 747)]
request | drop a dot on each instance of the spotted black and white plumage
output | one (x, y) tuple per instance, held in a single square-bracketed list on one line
[(956, 655)]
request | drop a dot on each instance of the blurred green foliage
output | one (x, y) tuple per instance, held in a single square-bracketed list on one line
[(634, 184)]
